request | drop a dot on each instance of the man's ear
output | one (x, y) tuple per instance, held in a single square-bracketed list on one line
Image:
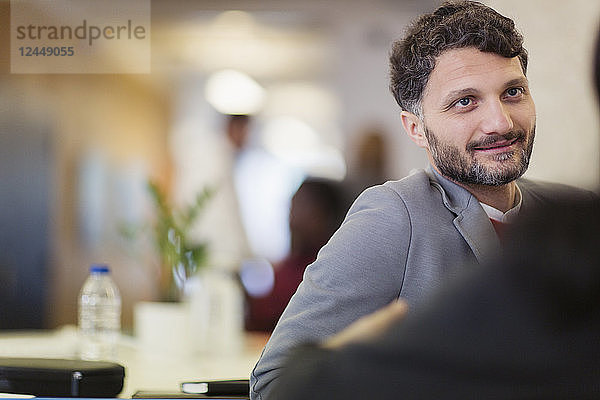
[(413, 128)]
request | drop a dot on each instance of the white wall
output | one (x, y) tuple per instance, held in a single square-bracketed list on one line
[(363, 39), (560, 37)]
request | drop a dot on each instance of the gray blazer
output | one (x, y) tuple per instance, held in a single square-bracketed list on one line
[(400, 239)]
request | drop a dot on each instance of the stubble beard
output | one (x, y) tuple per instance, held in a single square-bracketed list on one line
[(463, 167)]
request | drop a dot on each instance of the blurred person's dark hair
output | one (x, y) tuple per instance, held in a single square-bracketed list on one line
[(317, 210), (454, 25)]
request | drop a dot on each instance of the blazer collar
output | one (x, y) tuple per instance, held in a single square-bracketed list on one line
[(470, 220)]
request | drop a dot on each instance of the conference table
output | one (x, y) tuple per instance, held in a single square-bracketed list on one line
[(145, 369)]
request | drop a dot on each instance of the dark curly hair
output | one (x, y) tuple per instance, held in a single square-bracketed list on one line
[(453, 25)]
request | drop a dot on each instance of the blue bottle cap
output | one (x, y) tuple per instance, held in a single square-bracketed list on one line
[(99, 269)]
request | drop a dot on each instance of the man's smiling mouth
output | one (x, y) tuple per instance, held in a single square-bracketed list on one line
[(497, 146)]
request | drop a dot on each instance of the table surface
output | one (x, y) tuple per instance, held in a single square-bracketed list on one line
[(144, 370)]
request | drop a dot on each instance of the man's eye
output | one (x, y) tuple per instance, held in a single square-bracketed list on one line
[(464, 102), (512, 92)]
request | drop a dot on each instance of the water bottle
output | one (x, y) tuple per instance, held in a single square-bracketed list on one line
[(99, 316)]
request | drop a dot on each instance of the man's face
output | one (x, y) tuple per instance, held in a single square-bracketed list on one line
[(478, 120)]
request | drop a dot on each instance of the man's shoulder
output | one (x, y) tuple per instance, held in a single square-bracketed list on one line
[(424, 189), (552, 192), (414, 189), (416, 183)]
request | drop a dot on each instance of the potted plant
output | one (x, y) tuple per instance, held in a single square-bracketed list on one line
[(164, 325), (180, 257)]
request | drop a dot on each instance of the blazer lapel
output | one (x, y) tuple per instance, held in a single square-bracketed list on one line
[(471, 221), (477, 230)]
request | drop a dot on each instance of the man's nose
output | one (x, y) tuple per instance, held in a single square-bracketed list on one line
[(496, 118)]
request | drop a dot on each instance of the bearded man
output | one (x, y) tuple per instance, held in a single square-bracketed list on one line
[(459, 76)]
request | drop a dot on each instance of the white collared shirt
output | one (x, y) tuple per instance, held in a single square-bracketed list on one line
[(510, 215)]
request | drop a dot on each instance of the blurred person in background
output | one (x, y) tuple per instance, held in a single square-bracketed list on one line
[(237, 131), (316, 211), (247, 216), (213, 166), (459, 76), (264, 186), (369, 167)]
